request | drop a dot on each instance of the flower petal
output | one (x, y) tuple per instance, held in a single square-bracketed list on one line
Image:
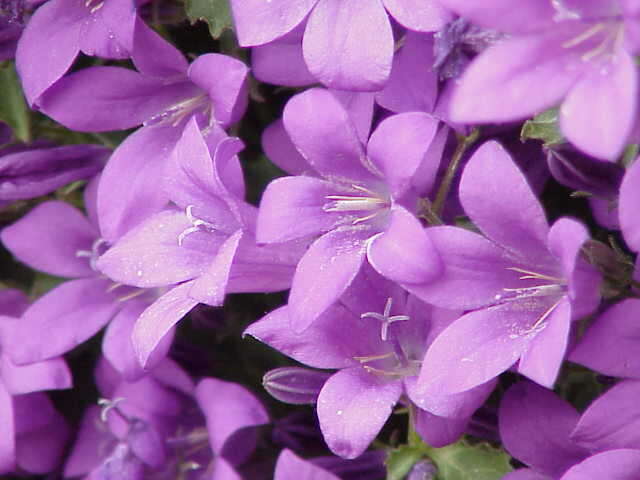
[(258, 22), (292, 207), (599, 112), (497, 86), (348, 44), (291, 467), (76, 310), (325, 135), (353, 406), (157, 321), (323, 274), (535, 425), (612, 465), (393, 253), (58, 23), (7, 439), (612, 420), (476, 348), (419, 15), (496, 196), (406, 136), (52, 247), (610, 344), (128, 190)]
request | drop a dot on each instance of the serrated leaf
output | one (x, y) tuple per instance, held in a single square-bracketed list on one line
[(13, 108), (400, 460), (216, 13), (464, 461), (543, 126)]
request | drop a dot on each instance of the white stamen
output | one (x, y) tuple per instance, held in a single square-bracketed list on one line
[(385, 318)]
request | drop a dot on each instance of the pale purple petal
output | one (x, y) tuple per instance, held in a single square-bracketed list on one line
[(117, 346), (599, 113), (325, 344), (324, 273), (610, 345), (476, 348), (57, 22), (281, 63), (497, 85), (258, 22), (154, 56), (110, 98), (108, 31), (291, 467), (525, 474), (348, 44), (52, 374), (157, 321), (393, 253), (613, 465), (211, 286), (292, 207), (52, 246), (352, 408), (136, 258), (530, 16), (496, 196), (412, 85), (323, 132), (224, 78), (228, 408), (612, 420), (475, 270), (419, 15), (535, 425), (543, 359), (77, 309), (128, 190), (628, 206), (406, 136), (277, 145), (360, 106)]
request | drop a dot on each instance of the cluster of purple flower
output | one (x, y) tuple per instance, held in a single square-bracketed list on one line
[(425, 279)]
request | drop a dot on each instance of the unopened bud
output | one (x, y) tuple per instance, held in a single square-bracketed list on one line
[(294, 385)]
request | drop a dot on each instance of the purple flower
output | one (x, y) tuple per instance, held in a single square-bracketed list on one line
[(203, 245), (549, 436), (163, 95), (68, 27), (359, 199), (376, 336), (33, 434), (582, 52), (525, 282), (79, 308), (347, 45)]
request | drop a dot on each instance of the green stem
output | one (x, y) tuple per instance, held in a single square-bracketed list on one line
[(463, 144)]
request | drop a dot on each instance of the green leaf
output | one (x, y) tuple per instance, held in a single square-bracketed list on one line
[(543, 126), (215, 12), (44, 282), (464, 461), (13, 108), (400, 460)]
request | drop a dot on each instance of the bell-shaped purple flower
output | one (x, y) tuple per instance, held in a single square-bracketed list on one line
[(359, 199)]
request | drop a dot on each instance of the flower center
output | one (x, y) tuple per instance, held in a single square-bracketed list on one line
[(177, 112), (362, 200), (197, 225), (600, 40), (98, 247), (391, 364)]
